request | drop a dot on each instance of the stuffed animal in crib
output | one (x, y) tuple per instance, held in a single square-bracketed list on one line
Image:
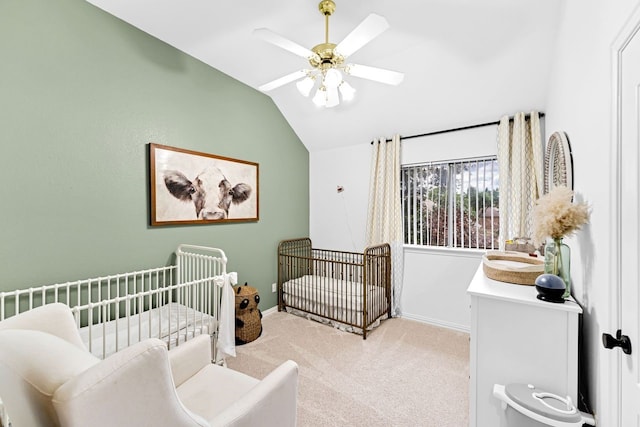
[(248, 316)]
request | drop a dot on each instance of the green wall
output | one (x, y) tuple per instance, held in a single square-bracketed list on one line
[(81, 95)]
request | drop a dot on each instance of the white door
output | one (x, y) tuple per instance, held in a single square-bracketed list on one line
[(628, 123)]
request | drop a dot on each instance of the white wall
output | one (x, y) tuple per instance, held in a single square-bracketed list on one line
[(435, 286), (337, 220), (580, 103), (435, 280), (481, 141)]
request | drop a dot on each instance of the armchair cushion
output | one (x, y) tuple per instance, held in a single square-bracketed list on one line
[(131, 387), (272, 402), (55, 319), (223, 388), (229, 398), (35, 364)]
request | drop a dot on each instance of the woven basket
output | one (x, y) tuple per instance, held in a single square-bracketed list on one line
[(512, 271), (249, 314), (251, 330)]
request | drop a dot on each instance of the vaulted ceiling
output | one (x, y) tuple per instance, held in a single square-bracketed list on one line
[(465, 61)]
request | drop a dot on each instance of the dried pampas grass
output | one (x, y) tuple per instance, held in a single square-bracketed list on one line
[(555, 216)]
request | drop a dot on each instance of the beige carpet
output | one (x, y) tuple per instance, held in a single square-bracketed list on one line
[(406, 373)]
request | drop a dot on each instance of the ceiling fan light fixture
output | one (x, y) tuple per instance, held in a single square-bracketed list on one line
[(305, 85), (333, 98), (332, 78), (346, 91), (320, 98)]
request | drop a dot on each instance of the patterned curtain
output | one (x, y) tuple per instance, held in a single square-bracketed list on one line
[(384, 220), (520, 163)]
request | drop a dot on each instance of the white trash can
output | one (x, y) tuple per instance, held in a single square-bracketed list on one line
[(527, 406)]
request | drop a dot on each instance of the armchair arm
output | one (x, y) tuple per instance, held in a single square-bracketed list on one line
[(189, 357), (271, 403), (131, 387)]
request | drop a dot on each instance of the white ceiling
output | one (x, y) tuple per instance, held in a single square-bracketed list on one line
[(465, 61)]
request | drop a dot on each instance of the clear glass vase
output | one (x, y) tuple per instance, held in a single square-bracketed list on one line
[(557, 260)]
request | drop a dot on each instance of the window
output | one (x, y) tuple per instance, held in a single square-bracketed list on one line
[(452, 204)]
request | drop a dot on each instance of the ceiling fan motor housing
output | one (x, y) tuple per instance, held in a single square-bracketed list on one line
[(326, 57)]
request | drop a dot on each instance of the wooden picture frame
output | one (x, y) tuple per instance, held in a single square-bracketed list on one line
[(190, 187)]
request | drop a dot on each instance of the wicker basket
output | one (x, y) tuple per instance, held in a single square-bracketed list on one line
[(508, 267), (248, 317)]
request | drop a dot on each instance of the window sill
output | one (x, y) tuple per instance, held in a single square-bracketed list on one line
[(436, 250)]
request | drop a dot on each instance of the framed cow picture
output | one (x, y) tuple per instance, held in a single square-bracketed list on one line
[(189, 187)]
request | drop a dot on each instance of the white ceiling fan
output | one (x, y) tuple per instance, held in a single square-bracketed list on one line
[(328, 61)]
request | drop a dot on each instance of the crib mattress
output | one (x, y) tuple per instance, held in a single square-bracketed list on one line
[(172, 323), (330, 291), (334, 298)]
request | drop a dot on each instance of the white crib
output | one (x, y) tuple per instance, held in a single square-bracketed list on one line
[(173, 303)]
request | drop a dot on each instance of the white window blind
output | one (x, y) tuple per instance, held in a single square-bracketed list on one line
[(452, 203)]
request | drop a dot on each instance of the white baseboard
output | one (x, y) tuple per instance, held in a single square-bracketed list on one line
[(437, 322), (422, 319), (269, 311)]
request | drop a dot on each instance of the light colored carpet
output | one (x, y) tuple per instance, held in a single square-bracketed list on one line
[(405, 373)]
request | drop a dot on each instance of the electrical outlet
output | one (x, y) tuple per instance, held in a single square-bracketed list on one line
[(274, 287)]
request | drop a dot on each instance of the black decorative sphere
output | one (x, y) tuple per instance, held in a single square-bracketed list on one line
[(550, 288)]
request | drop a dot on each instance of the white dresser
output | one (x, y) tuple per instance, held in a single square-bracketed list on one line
[(517, 338)]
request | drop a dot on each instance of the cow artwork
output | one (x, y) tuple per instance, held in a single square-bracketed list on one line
[(193, 187), (210, 192)]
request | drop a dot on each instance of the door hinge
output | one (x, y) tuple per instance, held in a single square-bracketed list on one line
[(622, 341)]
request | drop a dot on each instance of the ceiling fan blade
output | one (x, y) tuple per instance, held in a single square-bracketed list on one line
[(376, 74), (283, 80), (372, 26), (276, 39)]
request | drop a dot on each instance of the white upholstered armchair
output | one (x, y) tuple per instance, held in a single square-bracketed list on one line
[(47, 378)]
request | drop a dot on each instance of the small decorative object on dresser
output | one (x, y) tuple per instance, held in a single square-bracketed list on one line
[(555, 216), (512, 267), (520, 244), (550, 288), (557, 260)]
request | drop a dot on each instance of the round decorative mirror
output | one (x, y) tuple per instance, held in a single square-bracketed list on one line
[(558, 162)]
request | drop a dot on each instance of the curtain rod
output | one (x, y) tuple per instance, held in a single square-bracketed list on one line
[(526, 116)]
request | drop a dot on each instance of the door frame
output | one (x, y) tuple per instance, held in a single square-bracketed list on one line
[(611, 362)]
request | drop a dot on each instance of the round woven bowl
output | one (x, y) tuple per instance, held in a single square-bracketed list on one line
[(508, 267)]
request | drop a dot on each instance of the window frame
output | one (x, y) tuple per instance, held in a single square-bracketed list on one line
[(455, 239)]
